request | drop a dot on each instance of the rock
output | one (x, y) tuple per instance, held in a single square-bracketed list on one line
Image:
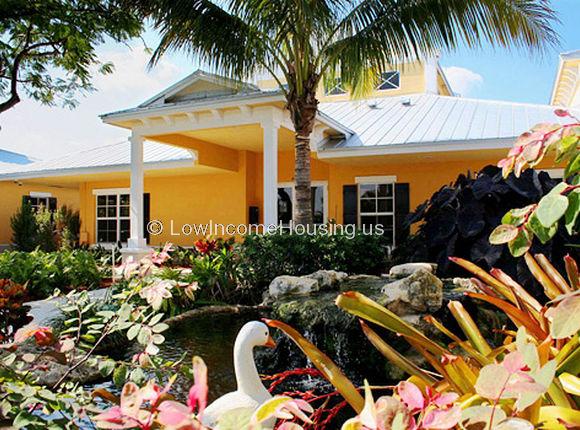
[(420, 292), (364, 283), (286, 285), (327, 279), (465, 284), (402, 270)]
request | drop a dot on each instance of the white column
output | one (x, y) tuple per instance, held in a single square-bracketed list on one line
[(270, 129), (136, 245)]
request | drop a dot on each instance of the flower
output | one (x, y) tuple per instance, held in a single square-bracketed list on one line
[(42, 335), (155, 294), (205, 246)]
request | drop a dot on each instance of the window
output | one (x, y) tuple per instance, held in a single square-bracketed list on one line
[(389, 81), (377, 206), (286, 203), (113, 223), (334, 88), (38, 200)]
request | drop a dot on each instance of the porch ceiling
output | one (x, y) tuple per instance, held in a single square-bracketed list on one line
[(242, 137)]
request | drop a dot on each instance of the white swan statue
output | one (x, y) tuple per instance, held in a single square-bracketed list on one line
[(251, 393)]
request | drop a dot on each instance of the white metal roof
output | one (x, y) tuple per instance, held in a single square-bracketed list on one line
[(426, 119), (109, 158)]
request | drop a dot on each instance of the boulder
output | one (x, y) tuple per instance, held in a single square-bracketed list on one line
[(364, 283), (421, 292), (328, 279), (286, 285), (403, 270)]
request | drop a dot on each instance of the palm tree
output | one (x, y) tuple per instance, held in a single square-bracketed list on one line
[(302, 43)]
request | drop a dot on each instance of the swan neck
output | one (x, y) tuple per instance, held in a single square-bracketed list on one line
[(247, 376)]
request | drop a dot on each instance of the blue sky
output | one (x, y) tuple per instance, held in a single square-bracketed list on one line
[(515, 75), (45, 132)]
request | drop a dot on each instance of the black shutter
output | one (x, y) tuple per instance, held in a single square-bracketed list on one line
[(52, 204), (349, 204), (402, 207), (146, 214)]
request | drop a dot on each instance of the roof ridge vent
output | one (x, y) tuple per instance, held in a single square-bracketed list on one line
[(373, 104), (406, 101)]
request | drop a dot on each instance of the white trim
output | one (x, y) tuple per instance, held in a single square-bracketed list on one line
[(39, 194), (323, 184), (108, 191), (377, 213), (112, 168), (415, 148), (375, 179), (554, 173)]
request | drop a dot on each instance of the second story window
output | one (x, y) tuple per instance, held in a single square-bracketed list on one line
[(334, 88), (389, 81)]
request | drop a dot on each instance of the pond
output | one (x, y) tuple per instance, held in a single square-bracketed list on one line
[(211, 338)]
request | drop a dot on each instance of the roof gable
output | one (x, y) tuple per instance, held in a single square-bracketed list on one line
[(200, 85)]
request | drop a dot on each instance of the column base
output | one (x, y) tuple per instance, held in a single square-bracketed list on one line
[(134, 254)]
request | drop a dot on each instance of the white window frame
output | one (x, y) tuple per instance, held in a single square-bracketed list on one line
[(376, 180), (383, 81), (110, 192), (45, 197), (323, 184)]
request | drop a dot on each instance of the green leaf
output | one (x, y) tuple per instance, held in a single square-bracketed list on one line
[(120, 375), (520, 245), (573, 167), (133, 331), (565, 317), (517, 216), (552, 206), (503, 233), (541, 232), (161, 327), (24, 419), (571, 215), (106, 367)]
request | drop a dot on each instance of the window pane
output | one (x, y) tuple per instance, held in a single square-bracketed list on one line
[(367, 190), (124, 199), (318, 205), (101, 212), (368, 205), (386, 221), (125, 230), (124, 211), (385, 190), (368, 220), (101, 225), (285, 205), (385, 205), (112, 200), (101, 200), (112, 211)]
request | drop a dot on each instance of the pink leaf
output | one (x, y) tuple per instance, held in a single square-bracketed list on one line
[(514, 362), (411, 395), (445, 399), (198, 392), (173, 414), (562, 113), (441, 419)]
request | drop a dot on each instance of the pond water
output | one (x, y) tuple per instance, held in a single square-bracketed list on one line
[(211, 338)]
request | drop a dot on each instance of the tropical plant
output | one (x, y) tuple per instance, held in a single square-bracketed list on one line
[(152, 406), (43, 272), (67, 227), (519, 226), (304, 43), (24, 228), (458, 219), (13, 312), (47, 48), (530, 376), (45, 229)]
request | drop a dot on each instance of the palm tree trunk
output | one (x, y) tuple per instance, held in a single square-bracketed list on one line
[(303, 110)]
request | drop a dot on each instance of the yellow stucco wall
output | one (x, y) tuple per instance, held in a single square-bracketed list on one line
[(225, 198), (11, 199)]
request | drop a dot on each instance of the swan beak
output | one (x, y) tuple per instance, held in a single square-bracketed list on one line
[(270, 343)]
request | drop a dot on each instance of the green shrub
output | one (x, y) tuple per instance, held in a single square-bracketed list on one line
[(24, 228), (263, 257), (43, 272)]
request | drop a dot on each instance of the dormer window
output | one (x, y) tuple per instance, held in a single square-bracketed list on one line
[(389, 81), (335, 88)]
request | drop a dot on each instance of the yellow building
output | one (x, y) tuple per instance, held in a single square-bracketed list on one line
[(209, 150), (566, 91)]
